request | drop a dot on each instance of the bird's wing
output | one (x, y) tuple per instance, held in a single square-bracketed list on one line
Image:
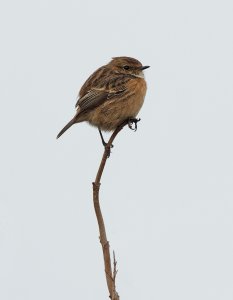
[(91, 99), (97, 95)]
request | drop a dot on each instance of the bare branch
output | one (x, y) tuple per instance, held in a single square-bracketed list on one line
[(110, 275)]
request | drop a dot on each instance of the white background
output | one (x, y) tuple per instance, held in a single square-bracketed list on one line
[(167, 189)]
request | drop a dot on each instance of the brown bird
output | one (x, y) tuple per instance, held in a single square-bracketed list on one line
[(112, 94)]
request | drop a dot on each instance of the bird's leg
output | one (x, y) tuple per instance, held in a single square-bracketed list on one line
[(102, 139), (134, 121), (108, 148)]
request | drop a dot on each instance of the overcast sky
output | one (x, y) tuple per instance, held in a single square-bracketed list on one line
[(166, 193)]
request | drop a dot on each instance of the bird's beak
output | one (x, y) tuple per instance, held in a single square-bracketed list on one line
[(144, 67)]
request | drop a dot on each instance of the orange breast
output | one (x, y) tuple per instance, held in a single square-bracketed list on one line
[(113, 112)]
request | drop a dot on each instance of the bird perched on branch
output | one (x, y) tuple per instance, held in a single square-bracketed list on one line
[(112, 94)]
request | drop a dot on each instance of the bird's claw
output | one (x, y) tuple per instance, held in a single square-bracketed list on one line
[(105, 145), (135, 122)]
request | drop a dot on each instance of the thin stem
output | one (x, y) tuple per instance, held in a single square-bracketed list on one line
[(110, 275)]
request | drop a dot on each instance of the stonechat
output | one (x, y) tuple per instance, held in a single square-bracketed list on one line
[(112, 94)]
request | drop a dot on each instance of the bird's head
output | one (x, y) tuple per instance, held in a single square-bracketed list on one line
[(127, 65)]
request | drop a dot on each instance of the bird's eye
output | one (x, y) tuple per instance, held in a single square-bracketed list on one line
[(126, 67)]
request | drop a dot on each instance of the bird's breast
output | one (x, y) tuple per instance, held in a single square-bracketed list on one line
[(136, 95), (114, 111)]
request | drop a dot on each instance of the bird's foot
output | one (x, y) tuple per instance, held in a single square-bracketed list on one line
[(105, 144), (102, 139), (134, 121)]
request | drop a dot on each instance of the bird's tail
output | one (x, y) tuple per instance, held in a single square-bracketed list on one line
[(68, 125)]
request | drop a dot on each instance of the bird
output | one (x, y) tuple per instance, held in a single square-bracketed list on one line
[(113, 94)]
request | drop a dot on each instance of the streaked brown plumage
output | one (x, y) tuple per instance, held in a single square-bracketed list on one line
[(112, 94)]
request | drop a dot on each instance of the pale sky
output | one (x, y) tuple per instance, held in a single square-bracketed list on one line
[(167, 190)]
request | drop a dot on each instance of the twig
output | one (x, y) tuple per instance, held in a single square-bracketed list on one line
[(110, 275), (114, 267)]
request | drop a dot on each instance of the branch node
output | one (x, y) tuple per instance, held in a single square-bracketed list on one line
[(96, 186)]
